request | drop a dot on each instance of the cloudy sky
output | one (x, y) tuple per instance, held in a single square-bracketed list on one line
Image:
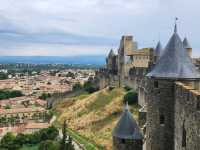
[(92, 27)]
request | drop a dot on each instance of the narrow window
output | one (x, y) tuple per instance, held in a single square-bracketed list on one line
[(123, 141), (184, 137), (198, 104), (162, 120), (188, 96), (156, 84)]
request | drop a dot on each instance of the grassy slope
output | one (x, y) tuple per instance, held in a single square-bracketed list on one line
[(29, 148), (94, 116)]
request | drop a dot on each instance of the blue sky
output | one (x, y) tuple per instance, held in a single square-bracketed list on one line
[(92, 27)]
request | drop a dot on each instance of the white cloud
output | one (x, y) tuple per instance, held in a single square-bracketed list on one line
[(56, 20)]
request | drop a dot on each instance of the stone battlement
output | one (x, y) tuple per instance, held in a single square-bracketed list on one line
[(188, 95)]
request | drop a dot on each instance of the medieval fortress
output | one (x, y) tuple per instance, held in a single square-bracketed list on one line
[(168, 85)]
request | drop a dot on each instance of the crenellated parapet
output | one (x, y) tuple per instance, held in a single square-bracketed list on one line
[(188, 95), (187, 116)]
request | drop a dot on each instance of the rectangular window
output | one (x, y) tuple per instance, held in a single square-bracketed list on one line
[(198, 104), (123, 141), (162, 120), (156, 84), (184, 137)]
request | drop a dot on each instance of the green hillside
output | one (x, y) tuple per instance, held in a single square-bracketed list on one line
[(93, 116)]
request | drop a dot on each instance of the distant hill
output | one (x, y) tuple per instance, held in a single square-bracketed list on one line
[(94, 115), (84, 60)]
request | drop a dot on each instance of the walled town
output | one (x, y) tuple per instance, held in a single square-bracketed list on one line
[(167, 81), (28, 112)]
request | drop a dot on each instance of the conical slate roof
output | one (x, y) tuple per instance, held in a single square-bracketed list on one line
[(175, 62), (111, 53), (158, 49), (127, 127), (186, 43)]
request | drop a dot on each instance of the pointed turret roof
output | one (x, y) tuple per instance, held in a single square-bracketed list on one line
[(186, 43), (158, 49), (175, 62), (111, 53), (127, 127)]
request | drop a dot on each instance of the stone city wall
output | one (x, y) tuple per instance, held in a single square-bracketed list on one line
[(187, 117)]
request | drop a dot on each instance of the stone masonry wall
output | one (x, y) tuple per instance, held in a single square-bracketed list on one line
[(160, 115), (119, 144), (187, 117)]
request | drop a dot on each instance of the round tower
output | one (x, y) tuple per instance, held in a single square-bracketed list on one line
[(173, 65), (187, 46), (126, 134)]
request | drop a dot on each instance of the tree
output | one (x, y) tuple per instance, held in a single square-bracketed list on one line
[(89, 86), (50, 133), (63, 141), (44, 96), (77, 86), (8, 142), (131, 98), (3, 76), (66, 144), (69, 145), (49, 145)]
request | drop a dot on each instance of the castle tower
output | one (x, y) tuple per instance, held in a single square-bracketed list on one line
[(157, 52), (109, 60), (187, 46), (126, 134), (173, 65), (126, 45)]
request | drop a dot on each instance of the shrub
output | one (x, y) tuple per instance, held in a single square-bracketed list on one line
[(5, 94), (127, 88), (49, 145), (89, 87), (77, 86), (44, 96), (131, 98)]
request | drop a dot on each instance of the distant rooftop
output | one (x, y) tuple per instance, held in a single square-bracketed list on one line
[(186, 43)]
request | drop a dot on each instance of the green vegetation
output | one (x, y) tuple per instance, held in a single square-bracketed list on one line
[(77, 86), (44, 96), (45, 139), (131, 97), (11, 142), (5, 94), (29, 147), (49, 145), (3, 76), (63, 144), (102, 100), (97, 118), (82, 140), (71, 74), (89, 86), (127, 88)]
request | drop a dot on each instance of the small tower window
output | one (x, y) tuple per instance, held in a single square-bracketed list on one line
[(162, 120), (198, 104), (123, 141), (188, 97), (184, 137), (156, 84)]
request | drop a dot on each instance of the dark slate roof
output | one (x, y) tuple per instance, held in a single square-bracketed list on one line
[(175, 62), (127, 127), (111, 53), (186, 43), (158, 49)]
